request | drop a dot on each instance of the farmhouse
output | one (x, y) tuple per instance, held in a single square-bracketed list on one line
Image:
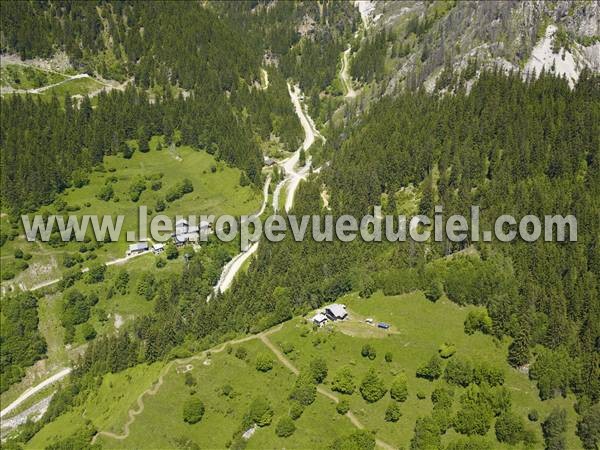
[(186, 238), (319, 319), (336, 312), (186, 233), (135, 249)]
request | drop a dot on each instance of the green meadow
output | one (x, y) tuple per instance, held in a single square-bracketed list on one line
[(22, 77), (76, 86), (115, 310), (216, 190), (418, 328), (161, 421), (226, 384), (106, 317), (19, 76)]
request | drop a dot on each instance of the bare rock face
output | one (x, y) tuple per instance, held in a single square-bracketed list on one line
[(498, 33), (58, 63), (580, 18)]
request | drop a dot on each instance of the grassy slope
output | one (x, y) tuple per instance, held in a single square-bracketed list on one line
[(214, 193), (109, 406), (127, 306), (65, 425), (24, 77), (18, 76), (78, 86), (418, 328), (161, 421)]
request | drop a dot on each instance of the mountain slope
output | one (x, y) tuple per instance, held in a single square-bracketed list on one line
[(426, 37)]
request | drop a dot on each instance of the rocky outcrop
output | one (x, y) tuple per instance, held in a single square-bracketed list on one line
[(501, 33)]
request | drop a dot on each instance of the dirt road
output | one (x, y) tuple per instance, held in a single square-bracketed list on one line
[(320, 389), (133, 412), (35, 389)]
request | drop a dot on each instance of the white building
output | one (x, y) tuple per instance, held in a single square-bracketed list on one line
[(336, 311), (186, 238), (135, 249), (319, 319), (186, 233)]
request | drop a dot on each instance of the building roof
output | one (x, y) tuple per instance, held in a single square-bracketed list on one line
[(181, 223), (158, 246), (320, 317), (138, 246), (337, 310), (183, 237)]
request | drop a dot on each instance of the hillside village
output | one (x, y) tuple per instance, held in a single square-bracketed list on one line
[(254, 108)]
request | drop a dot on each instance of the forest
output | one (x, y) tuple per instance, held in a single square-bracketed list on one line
[(147, 40), (511, 145), (21, 342), (545, 296), (305, 51), (44, 143), (220, 114)]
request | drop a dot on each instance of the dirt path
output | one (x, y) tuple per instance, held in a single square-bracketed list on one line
[(345, 73), (282, 359), (292, 180), (320, 389), (133, 412), (85, 269)]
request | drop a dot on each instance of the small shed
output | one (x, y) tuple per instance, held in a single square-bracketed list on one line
[(157, 249), (319, 319), (137, 248)]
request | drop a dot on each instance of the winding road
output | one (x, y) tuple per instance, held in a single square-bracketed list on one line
[(291, 182), (310, 134), (345, 73), (264, 338), (231, 269), (132, 413)]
